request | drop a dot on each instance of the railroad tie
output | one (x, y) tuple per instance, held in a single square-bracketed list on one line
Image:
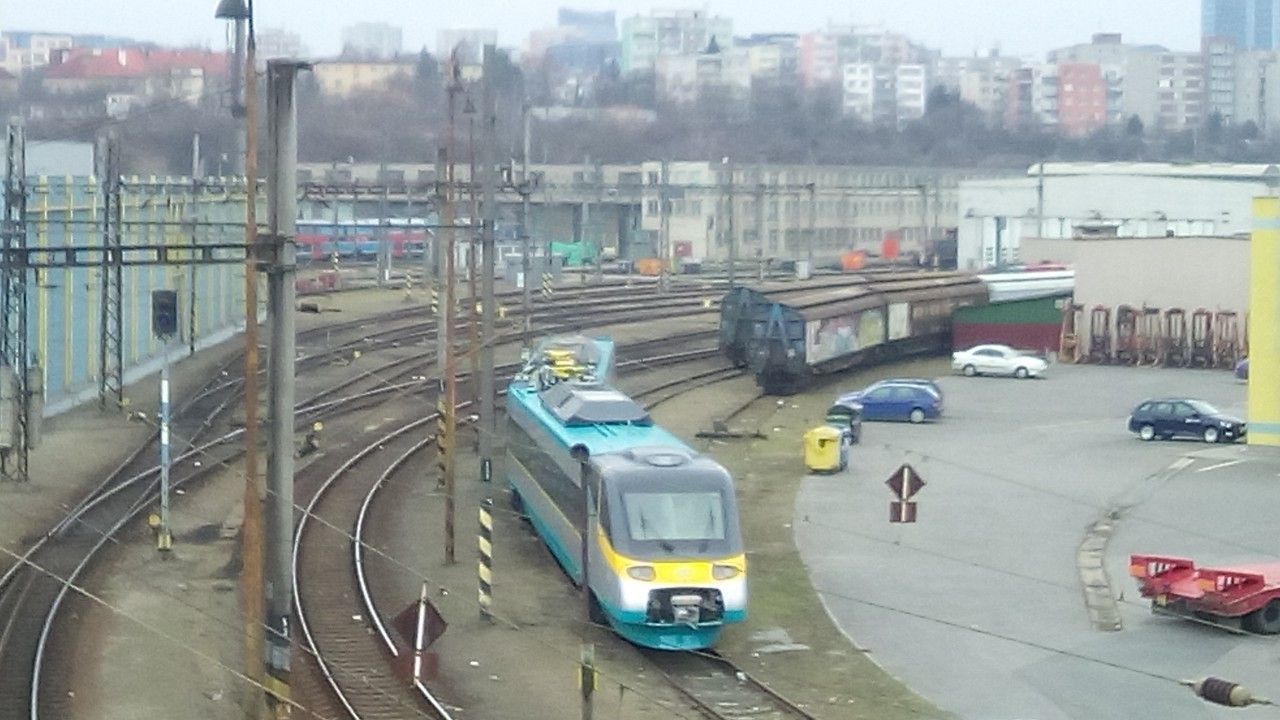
[(485, 566)]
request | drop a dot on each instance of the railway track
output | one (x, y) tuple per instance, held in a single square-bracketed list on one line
[(718, 689), (331, 576), (31, 599)]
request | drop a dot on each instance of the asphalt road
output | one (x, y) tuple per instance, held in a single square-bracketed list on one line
[(981, 605)]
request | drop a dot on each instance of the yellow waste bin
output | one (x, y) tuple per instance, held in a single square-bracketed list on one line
[(824, 449)]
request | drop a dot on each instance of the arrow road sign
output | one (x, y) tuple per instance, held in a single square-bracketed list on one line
[(905, 482)]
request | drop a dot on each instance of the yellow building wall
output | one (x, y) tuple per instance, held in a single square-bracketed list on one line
[(1264, 323)]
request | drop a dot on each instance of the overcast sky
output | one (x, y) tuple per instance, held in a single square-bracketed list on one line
[(958, 27)]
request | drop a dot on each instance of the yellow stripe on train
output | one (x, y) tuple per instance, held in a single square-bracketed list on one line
[(679, 572)]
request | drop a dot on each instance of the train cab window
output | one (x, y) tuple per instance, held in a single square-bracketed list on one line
[(668, 516), (602, 514)]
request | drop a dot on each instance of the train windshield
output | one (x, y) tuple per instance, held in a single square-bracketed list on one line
[(674, 516)]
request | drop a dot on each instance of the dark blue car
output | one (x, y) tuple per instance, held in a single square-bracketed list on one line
[(1183, 417), (890, 400)]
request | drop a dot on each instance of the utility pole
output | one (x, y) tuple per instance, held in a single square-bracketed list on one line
[(926, 233), (448, 309), (282, 141), (733, 240), (473, 242), (813, 230), (384, 240), (254, 601), (524, 188), (664, 233), (196, 175), (1040, 199), (488, 423), (14, 352), (439, 241), (760, 232)]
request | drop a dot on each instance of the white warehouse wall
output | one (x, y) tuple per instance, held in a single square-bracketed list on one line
[(1140, 206)]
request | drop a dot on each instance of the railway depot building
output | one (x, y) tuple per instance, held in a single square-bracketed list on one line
[(633, 210), (996, 216)]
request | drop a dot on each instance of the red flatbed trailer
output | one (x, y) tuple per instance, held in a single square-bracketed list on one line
[(1245, 597)]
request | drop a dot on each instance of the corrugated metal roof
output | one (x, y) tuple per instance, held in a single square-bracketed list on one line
[(1243, 171)]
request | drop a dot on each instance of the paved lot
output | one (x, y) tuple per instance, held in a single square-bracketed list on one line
[(981, 607)]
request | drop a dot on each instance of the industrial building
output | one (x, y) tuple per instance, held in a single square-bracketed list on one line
[(1100, 200)]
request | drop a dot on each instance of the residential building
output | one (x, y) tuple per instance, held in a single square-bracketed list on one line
[(468, 43), (272, 43), (671, 32), (1247, 24), (1082, 98), (911, 92), (343, 78), (984, 80), (589, 26), (23, 51), (1131, 73), (1181, 91), (819, 60), (182, 74), (372, 41), (721, 78), (773, 58)]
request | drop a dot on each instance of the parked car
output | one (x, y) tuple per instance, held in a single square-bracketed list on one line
[(896, 401), (997, 360), (1242, 369), (1184, 417)]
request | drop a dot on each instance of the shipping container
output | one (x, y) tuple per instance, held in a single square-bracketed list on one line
[(1033, 324)]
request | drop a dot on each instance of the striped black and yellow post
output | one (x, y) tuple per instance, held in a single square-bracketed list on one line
[(1264, 324), (485, 565), (547, 289), (444, 446)]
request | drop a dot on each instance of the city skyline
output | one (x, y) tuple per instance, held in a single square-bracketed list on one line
[(1017, 28)]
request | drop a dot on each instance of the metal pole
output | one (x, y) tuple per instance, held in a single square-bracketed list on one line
[(473, 295), (1040, 200), (926, 241), (664, 233), (384, 242), (439, 241), (448, 309), (195, 223), (587, 679), (164, 537), (733, 240), (254, 600), (243, 85), (760, 232), (599, 229), (526, 265), (488, 423), (282, 125), (13, 315), (813, 222)]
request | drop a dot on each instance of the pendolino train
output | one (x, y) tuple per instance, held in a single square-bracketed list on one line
[(665, 560), (786, 335)]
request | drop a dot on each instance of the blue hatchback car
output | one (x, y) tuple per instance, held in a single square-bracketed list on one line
[(902, 401)]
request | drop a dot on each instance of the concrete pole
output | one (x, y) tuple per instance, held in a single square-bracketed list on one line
[(664, 233), (760, 233), (439, 242), (526, 266), (384, 240), (733, 240), (813, 222), (164, 538), (282, 141), (488, 423)]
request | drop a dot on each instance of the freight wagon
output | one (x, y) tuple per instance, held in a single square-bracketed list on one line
[(825, 330)]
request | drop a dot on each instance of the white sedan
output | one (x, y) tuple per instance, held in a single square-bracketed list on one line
[(997, 360)]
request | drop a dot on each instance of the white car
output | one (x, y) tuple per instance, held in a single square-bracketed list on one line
[(997, 360)]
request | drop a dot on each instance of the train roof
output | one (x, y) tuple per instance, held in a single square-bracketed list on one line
[(819, 303), (599, 437)]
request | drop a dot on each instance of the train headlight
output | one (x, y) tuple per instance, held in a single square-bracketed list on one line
[(724, 572), (645, 573)]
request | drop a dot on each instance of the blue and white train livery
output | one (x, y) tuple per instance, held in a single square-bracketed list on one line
[(665, 559)]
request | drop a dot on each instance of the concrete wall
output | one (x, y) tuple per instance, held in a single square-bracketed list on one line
[(1185, 272)]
